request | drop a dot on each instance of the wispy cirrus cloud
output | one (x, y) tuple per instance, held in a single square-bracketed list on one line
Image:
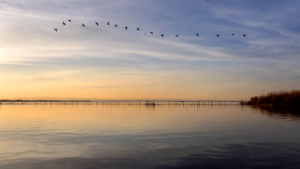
[(31, 49)]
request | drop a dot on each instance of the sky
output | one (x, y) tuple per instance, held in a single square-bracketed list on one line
[(107, 62)]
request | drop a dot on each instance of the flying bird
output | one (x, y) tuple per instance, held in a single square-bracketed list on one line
[(162, 35), (97, 23), (64, 23), (69, 20), (126, 27), (116, 25), (151, 33), (197, 34), (208, 0), (232, 34), (244, 35), (217, 35), (107, 23), (83, 25), (55, 29), (138, 28), (176, 36)]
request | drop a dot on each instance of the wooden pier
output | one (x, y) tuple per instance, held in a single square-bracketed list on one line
[(120, 102)]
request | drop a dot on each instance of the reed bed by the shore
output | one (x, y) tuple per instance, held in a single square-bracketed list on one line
[(281, 98)]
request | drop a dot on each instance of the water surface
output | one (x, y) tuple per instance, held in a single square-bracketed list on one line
[(120, 136)]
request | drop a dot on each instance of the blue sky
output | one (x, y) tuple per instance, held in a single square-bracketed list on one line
[(108, 62)]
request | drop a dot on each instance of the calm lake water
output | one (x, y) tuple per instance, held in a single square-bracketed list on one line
[(120, 136)]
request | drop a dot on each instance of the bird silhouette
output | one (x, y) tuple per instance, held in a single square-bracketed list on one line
[(208, 0), (162, 35)]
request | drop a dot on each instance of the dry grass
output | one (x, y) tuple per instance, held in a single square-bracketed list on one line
[(282, 98)]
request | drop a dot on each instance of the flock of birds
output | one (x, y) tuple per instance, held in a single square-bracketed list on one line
[(162, 35)]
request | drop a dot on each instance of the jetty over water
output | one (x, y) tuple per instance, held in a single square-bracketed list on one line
[(120, 102)]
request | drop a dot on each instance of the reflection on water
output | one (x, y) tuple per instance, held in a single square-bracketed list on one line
[(120, 136), (288, 113)]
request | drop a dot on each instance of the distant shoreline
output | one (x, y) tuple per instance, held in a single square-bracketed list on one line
[(119, 102), (281, 98)]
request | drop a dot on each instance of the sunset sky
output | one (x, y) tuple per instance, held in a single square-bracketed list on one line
[(105, 62)]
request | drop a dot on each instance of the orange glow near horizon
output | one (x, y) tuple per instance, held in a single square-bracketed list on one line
[(125, 85), (98, 62)]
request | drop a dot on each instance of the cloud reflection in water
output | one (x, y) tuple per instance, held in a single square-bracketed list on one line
[(76, 137)]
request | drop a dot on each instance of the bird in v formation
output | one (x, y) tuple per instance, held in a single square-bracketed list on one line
[(162, 35)]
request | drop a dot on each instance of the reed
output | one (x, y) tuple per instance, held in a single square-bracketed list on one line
[(281, 98)]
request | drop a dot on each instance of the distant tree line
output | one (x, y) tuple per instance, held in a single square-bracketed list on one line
[(281, 98)]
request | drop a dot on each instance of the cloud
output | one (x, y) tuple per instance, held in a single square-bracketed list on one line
[(37, 39), (31, 48)]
